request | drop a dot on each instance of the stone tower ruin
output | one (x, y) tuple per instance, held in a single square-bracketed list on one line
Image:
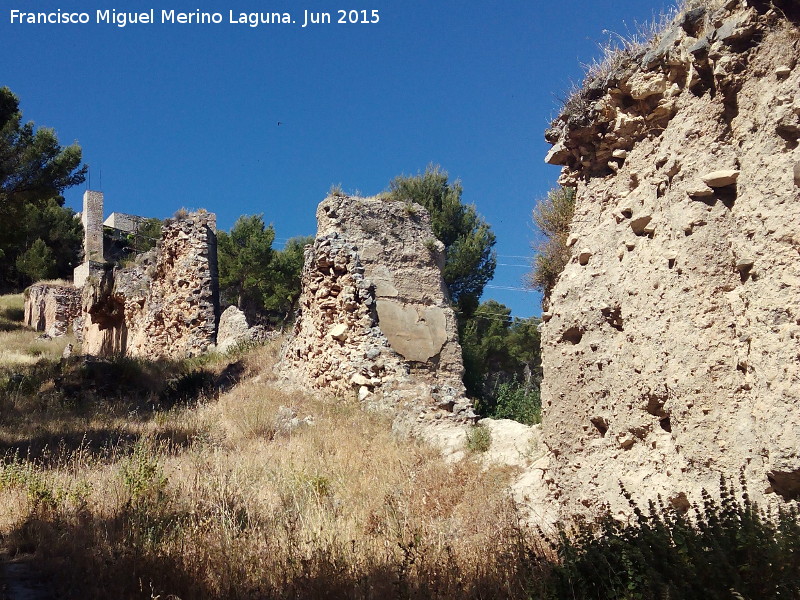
[(375, 316), (92, 219)]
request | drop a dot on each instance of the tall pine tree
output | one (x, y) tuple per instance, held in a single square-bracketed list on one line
[(34, 171)]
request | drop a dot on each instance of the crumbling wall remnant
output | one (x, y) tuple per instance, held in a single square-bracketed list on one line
[(375, 317), (52, 308), (164, 306), (671, 344)]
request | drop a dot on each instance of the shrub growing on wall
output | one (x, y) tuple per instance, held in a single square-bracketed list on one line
[(552, 217)]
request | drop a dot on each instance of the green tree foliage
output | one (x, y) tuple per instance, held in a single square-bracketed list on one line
[(37, 262), (261, 281), (552, 217), (282, 290), (34, 171), (58, 228), (467, 238), (244, 257), (516, 400), (147, 235), (484, 344), (502, 362)]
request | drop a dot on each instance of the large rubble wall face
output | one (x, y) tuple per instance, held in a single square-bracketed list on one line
[(375, 315), (51, 308), (671, 347), (166, 305)]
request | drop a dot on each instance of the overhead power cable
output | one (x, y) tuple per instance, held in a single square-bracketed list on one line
[(510, 288)]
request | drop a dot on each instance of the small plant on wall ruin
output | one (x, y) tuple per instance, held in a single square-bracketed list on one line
[(552, 216), (337, 190)]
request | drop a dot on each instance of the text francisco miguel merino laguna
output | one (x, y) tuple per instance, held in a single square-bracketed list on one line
[(252, 19)]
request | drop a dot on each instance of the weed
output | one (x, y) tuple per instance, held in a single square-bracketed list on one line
[(411, 208), (431, 244), (552, 217), (728, 548), (617, 52), (142, 474), (336, 190), (479, 439)]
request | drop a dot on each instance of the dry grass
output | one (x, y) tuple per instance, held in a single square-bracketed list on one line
[(620, 48), (62, 282), (238, 497), (11, 311), (19, 345)]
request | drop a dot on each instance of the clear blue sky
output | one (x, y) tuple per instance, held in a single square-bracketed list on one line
[(186, 115)]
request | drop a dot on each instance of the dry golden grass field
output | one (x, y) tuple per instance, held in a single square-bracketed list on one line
[(203, 479)]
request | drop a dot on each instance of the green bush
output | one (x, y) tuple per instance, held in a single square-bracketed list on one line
[(142, 473), (517, 401), (552, 217), (479, 439), (727, 550)]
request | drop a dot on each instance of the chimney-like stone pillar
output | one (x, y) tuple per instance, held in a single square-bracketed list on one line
[(92, 219)]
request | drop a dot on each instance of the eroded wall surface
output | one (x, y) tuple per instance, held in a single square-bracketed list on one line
[(164, 306), (51, 308), (375, 317), (671, 346)]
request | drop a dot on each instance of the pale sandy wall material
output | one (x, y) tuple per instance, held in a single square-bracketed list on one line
[(671, 347), (375, 317)]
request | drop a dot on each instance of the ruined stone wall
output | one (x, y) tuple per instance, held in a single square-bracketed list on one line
[(124, 222), (51, 308), (93, 258), (375, 316), (671, 346), (165, 305)]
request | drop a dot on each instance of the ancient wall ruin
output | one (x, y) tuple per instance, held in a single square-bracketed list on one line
[(124, 222), (52, 308), (92, 220), (671, 346), (166, 304), (375, 317)]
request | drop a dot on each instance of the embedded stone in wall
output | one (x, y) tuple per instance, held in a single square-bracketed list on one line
[(51, 308), (416, 333)]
